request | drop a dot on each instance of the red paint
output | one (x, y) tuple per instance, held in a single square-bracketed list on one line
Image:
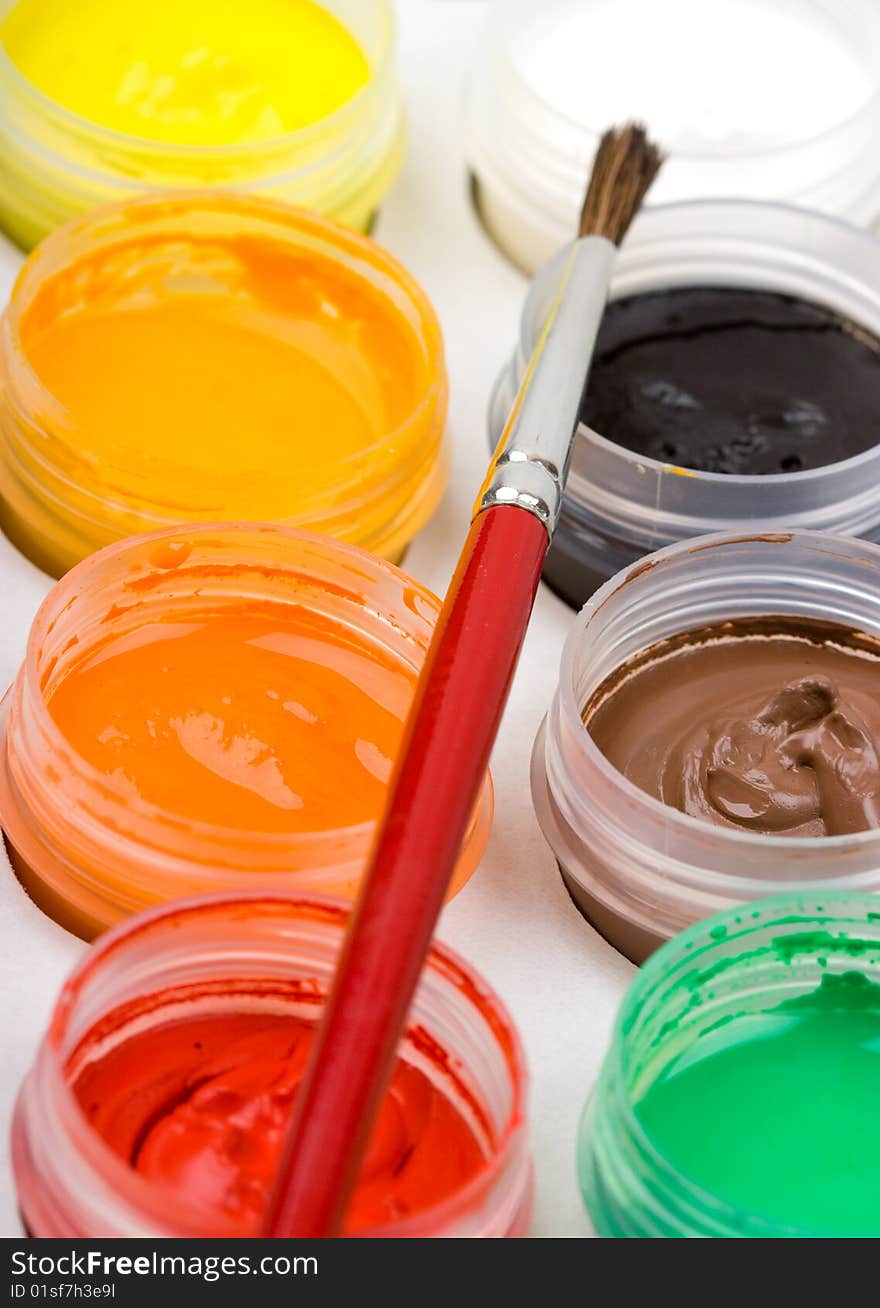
[(201, 1105)]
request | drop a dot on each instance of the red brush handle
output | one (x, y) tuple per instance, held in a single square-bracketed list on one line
[(449, 737)]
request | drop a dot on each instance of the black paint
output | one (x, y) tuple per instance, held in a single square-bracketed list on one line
[(729, 380)]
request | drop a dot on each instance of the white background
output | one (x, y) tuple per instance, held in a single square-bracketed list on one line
[(514, 920)]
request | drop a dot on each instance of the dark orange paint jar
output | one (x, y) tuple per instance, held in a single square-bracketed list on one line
[(206, 709)]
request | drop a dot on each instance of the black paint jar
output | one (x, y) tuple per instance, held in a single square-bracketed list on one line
[(620, 505)]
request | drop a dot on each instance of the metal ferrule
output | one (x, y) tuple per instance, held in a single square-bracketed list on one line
[(531, 462)]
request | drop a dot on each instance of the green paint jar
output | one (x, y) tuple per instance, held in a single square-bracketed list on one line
[(741, 1093)]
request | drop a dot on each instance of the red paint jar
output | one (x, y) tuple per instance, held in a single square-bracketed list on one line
[(259, 960)]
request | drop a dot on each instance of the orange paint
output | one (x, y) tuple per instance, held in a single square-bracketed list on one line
[(247, 371), (216, 358), (200, 1106), (269, 718)]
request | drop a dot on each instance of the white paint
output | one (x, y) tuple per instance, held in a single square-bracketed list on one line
[(706, 75), (754, 99)]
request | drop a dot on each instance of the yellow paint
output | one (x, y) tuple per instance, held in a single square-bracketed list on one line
[(220, 359), (102, 99), (194, 72)]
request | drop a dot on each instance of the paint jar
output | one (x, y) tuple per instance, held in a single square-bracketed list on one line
[(254, 961), (216, 357), (620, 505), (303, 105), (639, 869), (549, 78), (209, 709), (785, 997)]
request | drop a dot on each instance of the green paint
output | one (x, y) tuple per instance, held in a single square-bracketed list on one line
[(778, 1112)]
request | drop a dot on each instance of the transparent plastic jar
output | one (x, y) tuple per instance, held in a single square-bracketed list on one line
[(86, 849), (640, 870), (718, 971), (619, 505), (529, 145), (263, 953), (60, 501), (55, 164)]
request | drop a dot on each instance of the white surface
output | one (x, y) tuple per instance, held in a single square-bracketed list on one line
[(514, 920)]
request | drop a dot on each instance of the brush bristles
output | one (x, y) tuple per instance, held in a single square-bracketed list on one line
[(625, 165)]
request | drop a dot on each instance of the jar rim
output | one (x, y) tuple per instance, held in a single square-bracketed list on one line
[(674, 817), (791, 908), (350, 110), (802, 477), (333, 912), (75, 583), (122, 221)]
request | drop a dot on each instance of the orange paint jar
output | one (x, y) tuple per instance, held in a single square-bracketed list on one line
[(205, 357), (211, 708)]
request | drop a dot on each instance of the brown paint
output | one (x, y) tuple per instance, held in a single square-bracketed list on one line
[(770, 725)]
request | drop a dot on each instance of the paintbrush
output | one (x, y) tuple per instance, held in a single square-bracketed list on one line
[(454, 719)]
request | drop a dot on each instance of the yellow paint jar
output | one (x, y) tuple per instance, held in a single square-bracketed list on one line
[(203, 356), (290, 98)]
